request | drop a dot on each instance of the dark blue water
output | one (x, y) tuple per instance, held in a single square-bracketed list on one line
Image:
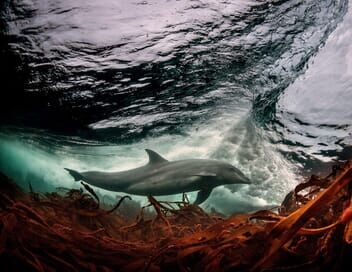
[(264, 85)]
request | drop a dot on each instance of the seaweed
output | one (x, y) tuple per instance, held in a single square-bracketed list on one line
[(71, 230)]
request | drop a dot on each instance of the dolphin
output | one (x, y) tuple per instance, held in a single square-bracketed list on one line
[(162, 177)]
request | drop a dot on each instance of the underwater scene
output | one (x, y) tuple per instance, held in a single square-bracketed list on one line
[(168, 122)]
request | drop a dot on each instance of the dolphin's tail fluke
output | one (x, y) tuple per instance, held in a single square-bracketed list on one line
[(77, 176)]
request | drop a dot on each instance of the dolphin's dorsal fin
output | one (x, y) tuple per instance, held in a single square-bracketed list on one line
[(155, 157)]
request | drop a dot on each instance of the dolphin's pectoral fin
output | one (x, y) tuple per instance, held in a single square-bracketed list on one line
[(202, 196), (155, 157)]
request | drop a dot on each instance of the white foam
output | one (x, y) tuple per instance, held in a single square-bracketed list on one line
[(243, 145)]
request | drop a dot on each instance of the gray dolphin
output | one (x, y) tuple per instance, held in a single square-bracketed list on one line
[(162, 177)]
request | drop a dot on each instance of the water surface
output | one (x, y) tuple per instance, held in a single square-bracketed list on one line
[(264, 85)]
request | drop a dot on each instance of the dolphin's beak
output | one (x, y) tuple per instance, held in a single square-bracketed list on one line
[(247, 181), (243, 179)]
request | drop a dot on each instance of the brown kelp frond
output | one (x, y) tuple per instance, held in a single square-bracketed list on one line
[(72, 231)]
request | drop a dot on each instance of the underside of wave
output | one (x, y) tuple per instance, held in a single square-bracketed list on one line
[(243, 145)]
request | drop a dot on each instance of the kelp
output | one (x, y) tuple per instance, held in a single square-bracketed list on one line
[(74, 231)]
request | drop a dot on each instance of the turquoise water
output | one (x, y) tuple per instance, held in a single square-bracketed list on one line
[(264, 85)]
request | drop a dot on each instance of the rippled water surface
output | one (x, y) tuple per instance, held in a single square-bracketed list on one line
[(264, 85)]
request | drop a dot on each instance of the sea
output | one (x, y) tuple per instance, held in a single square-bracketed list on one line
[(89, 85)]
